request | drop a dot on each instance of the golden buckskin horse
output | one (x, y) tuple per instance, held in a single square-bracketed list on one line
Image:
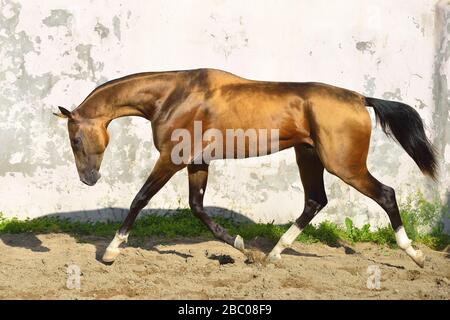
[(328, 127)]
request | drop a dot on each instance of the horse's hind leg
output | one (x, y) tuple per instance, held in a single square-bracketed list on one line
[(344, 154), (198, 176), (162, 172), (311, 173), (385, 197)]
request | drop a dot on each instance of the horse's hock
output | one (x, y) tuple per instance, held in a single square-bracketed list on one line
[(54, 54)]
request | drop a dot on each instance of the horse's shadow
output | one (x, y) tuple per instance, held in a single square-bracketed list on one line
[(28, 241), (31, 242)]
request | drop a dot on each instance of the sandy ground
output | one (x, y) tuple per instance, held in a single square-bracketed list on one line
[(35, 267)]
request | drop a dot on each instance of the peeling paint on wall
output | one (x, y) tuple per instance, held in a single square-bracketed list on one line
[(102, 31), (57, 18), (441, 97), (55, 52), (369, 85), (396, 95), (116, 26), (365, 46)]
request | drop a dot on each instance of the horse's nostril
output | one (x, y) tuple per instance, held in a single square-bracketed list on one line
[(93, 174), (90, 178)]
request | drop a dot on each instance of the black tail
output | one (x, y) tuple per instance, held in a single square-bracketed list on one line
[(405, 124)]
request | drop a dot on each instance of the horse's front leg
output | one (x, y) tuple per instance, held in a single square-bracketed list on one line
[(198, 176), (162, 172)]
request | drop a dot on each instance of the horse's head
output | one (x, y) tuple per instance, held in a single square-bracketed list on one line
[(88, 138)]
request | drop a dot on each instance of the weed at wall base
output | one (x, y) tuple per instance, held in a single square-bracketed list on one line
[(417, 216)]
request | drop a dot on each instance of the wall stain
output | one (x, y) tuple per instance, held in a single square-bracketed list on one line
[(116, 27), (228, 34), (441, 96), (34, 144), (418, 26), (365, 46), (59, 18), (421, 104), (396, 95), (84, 54), (102, 31), (22, 92), (369, 85)]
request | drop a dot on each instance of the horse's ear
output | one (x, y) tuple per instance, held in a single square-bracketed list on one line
[(64, 113)]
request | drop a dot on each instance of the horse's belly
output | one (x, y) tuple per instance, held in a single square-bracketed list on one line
[(238, 143)]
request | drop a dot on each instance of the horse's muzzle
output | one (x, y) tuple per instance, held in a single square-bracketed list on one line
[(90, 178)]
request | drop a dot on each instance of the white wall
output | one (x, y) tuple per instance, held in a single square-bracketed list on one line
[(55, 52)]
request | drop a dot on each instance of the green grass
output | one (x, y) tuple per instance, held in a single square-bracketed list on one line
[(415, 214)]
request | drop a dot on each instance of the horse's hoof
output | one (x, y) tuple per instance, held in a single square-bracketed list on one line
[(110, 255), (419, 259), (239, 243), (273, 257)]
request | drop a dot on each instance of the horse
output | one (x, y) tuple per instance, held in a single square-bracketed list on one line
[(328, 127)]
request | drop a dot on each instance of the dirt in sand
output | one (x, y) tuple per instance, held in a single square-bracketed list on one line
[(35, 267)]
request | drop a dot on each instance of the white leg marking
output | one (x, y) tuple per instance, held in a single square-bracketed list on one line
[(113, 250), (285, 241), (404, 243)]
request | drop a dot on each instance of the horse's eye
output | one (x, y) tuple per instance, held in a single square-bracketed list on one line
[(77, 142)]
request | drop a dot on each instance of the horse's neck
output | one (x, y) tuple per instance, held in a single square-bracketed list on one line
[(139, 96)]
